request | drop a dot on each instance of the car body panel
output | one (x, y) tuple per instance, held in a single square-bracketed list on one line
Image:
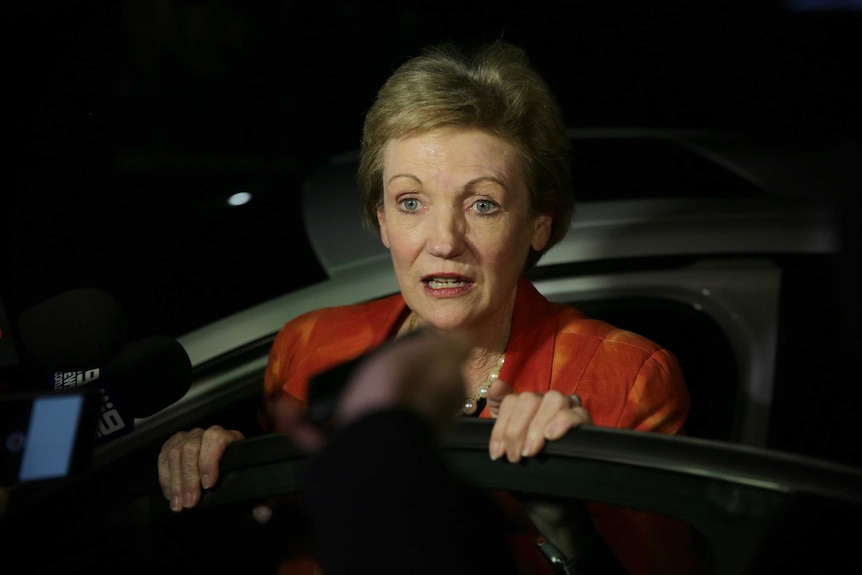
[(714, 254)]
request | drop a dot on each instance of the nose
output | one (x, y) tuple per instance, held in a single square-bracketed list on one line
[(447, 233)]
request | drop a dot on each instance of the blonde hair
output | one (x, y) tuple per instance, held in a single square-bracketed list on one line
[(493, 89)]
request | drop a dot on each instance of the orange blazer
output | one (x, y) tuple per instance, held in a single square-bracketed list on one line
[(623, 379)]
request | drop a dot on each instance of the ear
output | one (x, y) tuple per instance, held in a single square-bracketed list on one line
[(381, 221), (541, 231)]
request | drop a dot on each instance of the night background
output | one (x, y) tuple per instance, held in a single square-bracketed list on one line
[(128, 124)]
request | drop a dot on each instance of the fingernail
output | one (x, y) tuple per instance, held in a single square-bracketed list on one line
[(205, 481), (496, 450), (175, 503), (528, 448), (188, 500)]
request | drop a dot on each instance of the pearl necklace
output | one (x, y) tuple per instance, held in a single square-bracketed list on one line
[(471, 404)]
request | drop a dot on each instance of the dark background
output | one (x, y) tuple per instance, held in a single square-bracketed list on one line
[(129, 123)]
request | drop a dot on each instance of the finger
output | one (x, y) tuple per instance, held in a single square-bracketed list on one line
[(205, 471), (519, 410), (498, 390), (552, 405), (170, 465), (566, 420), (497, 444), (165, 470), (185, 472)]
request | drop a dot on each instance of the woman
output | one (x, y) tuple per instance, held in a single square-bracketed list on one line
[(464, 173)]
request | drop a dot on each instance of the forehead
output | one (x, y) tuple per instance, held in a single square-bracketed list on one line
[(451, 150)]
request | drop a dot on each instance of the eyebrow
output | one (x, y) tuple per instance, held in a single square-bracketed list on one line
[(411, 176), (469, 184)]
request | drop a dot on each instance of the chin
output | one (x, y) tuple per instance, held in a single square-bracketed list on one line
[(452, 322)]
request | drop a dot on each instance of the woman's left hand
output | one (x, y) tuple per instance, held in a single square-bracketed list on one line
[(525, 421)]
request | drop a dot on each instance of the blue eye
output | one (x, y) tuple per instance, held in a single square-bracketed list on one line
[(410, 204), (485, 206)]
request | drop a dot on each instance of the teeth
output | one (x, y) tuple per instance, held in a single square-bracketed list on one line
[(445, 283)]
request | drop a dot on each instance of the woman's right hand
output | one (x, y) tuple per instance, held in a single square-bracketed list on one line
[(189, 461)]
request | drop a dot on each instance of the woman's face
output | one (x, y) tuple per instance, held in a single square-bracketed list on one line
[(456, 218)]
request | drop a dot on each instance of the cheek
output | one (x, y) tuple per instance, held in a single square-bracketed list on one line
[(501, 253), (504, 253), (403, 246)]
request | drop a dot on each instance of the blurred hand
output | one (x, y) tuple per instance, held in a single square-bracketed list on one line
[(189, 461), (422, 373), (525, 421)]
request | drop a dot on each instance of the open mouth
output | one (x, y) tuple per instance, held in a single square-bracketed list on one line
[(445, 283)]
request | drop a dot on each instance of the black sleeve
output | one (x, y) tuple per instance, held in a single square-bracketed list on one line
[(382, 500)]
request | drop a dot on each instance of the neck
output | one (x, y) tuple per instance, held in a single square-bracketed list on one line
[(477, 368), (490, 338)]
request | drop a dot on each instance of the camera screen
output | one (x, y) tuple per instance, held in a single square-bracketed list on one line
[(39, 436)]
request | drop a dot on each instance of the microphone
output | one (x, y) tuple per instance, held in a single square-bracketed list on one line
[(74, 330), (8, 350), (78, 339), (146, 376)]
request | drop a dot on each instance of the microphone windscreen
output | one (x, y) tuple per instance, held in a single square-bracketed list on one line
[(148, 375), (72, 331)]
